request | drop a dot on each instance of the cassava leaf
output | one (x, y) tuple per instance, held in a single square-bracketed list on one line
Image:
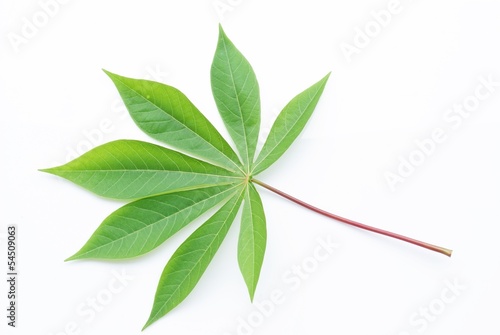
[(166, 114), (191, 259), (128, 169), (252, 239), (288, 125), (236, 94), (172, 188), (142, 225)]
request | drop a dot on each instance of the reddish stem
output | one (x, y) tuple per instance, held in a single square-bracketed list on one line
[(432, 247)]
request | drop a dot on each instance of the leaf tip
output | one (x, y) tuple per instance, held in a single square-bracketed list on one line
[(251, 287), (252, 293), (81, 254), (325, 78), (222, 34), (72, 258), (109, 74), (147, 324), (52, 170)]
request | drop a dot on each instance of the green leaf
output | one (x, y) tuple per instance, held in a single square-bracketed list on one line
[(236, 94), (173, 187), (252, 239), (191, 259), (142, 225), (288, 125), (128, 169), (166, 114)]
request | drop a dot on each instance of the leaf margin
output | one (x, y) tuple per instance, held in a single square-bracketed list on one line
[(181, 219), (243, 124), (235, 203), (112, 153), (271, 152), (253, 231), (226, 156)]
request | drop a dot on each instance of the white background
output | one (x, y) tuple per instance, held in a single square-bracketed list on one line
[(394, 91)]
